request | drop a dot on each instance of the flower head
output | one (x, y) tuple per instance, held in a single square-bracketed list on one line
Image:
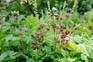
[(34, 45), (68, 14), (42, 25), (63, 35), (53, 25)]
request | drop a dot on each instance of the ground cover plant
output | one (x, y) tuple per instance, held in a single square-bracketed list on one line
[(51, 36)]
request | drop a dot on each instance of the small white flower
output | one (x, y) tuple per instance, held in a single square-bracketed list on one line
[(15, 12), (54, 8)]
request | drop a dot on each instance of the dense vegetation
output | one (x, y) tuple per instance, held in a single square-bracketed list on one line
[(46, 31)]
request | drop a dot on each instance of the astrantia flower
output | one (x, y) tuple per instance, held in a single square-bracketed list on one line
[(42, 25), (39, 29), (58, 26), (64, 27), (56, 15), (66, 32), (69, 25), (63, 35), (34, 45), (38, 32), (57, 41), (53, 25), (57, 18), (68, 14)]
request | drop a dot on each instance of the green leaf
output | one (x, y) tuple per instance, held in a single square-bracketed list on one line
[(91, 52), (20, 17), (9, 55), (3, 56), (72, 46)]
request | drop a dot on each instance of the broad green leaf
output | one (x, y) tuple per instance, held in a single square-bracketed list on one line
[(72, 46)]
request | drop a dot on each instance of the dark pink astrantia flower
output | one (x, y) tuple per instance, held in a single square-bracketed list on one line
[(63, 35), (57, 18), (42, 25), (34, 45), (58, 26), (39, 29), (68, 14), (69, 25), (64, 27), (61, 28), (57, 41), (38, 32), (56, 15), (66, 32), (53, 25)]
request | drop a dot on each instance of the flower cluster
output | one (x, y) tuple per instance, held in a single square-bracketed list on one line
[(57, 17), (39, 35)]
